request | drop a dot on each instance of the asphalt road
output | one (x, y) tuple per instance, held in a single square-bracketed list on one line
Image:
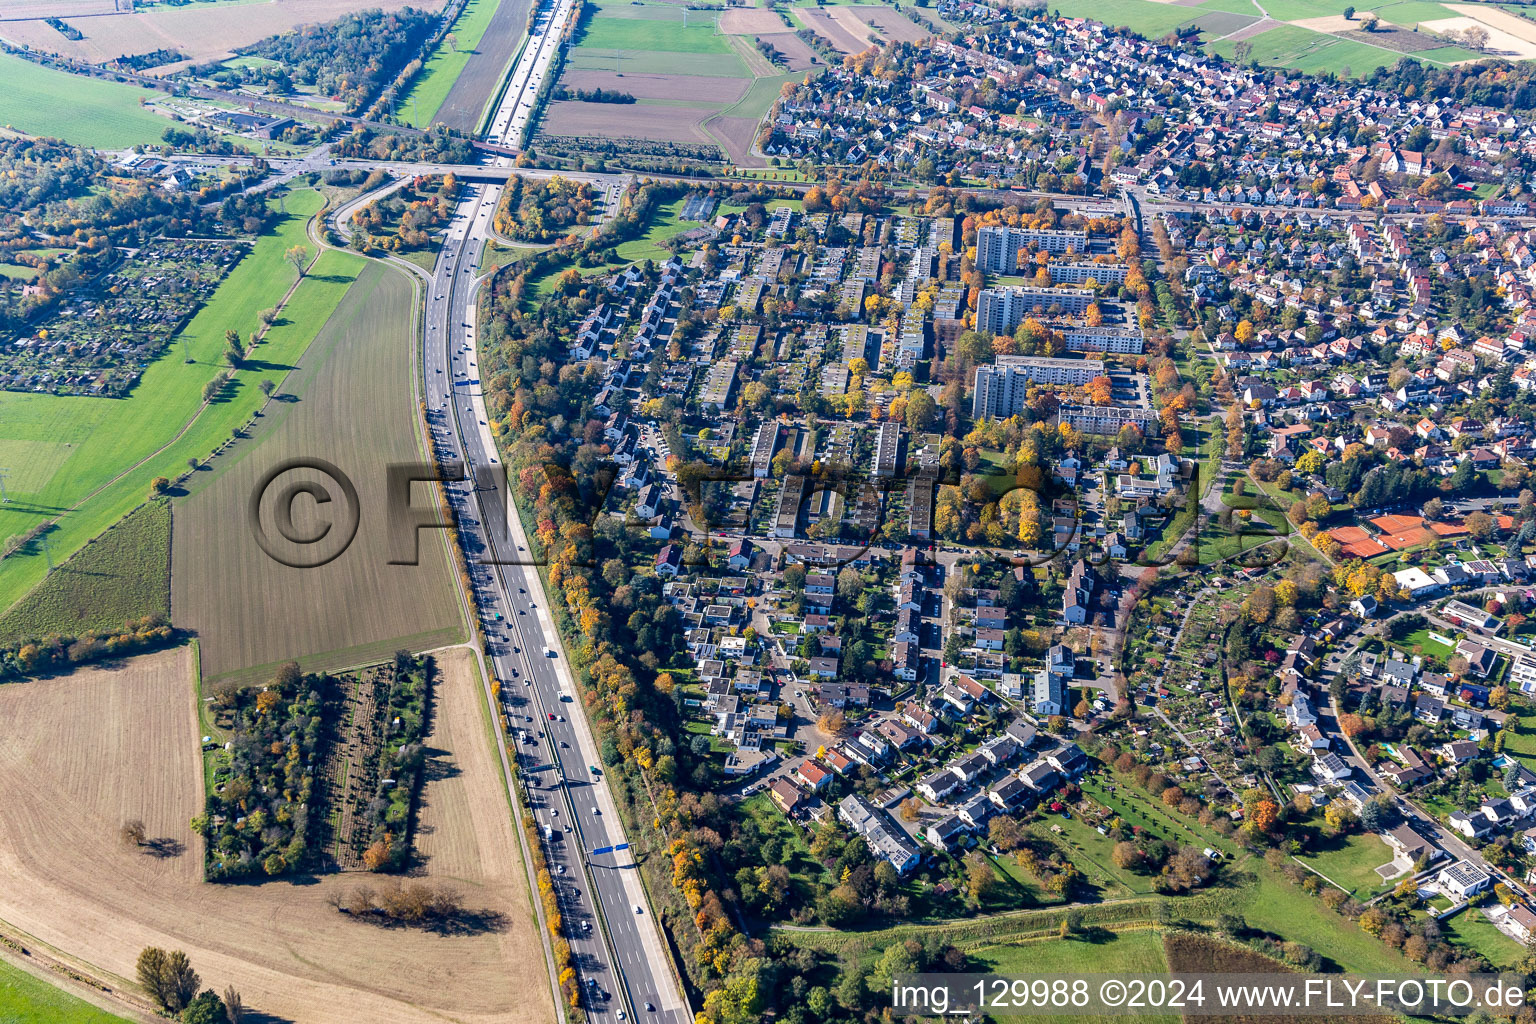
[(621, 960)]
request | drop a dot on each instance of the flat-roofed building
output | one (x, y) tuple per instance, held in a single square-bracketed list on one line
[(1001, 310), (787, 518), (887, 448), (763, 446), (1078, 273), (1106, 419), (920, 505), (719, 382), (1118, 340), (998, 246), (1000, 390)]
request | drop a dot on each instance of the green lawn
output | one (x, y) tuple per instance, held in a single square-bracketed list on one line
[(760, 96), (122, 575), (1128, 952), (1274, 904), (85, 111), (28, 1000), (91, 443), (806, 869), (1092, 853), (430, 88), (1400, 12), (1353, 863), (1420, 638), (1472, 929), (1520, 735)]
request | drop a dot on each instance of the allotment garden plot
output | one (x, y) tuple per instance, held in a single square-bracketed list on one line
[(97, 341)]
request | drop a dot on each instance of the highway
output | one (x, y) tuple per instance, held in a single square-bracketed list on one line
[(620, 957)]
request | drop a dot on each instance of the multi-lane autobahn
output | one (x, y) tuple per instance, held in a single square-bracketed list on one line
[(620, 957)]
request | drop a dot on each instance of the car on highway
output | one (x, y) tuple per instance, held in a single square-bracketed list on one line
[(638, 910), (596, 812)]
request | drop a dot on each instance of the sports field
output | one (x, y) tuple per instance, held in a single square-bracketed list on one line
[(85, 111), (348, 403), (99, 455)]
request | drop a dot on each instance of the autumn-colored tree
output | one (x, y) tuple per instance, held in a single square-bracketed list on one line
[(1352, 725), (1263, 816), (376, 856)]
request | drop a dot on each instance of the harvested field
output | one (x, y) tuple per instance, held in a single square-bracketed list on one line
[(1502, 42), (1330, 23), (751, 21), (795, 49), (835, 32), (1220, 23), (21, 10), (845, 17), (597, 120), (630, 62), (482, 73), (651, 86), (892, 25), (201, 31), (86, 751), (738, 134), (1496, 20), (346, 404), (1258, 27)]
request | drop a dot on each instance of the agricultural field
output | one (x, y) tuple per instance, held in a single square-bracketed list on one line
[(853, 28), (458, 86), (104, 115), (702, 85), (201, 32), (123, 574), (1313, 35), (86, 751), (343, 403), (89, 461), (25, 999)]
